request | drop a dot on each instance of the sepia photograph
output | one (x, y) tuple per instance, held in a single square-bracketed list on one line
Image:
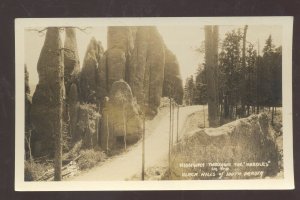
[(154, 103)]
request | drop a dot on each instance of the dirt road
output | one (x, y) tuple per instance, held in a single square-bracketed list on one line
[(127, 164)]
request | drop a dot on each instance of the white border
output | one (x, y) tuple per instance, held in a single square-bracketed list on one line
[(286, 183)]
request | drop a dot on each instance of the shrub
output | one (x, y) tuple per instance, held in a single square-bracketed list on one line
[(89, 158), (88, 124), (33, 170)]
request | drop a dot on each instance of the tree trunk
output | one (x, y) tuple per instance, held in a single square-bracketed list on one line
[(177, 123), (124, 127), (236, 111), (203, 116), (248, 110), (107, 132), (173, 109), (170, 132), (273, 115), (226, 108), (58, 100), (58, 146), (28, 142), (143, 147), (243, 96), (211, 61)]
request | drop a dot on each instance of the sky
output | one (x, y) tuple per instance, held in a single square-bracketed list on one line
[(181, 40)]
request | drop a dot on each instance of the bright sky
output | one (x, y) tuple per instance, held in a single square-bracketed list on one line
[(182, 41)]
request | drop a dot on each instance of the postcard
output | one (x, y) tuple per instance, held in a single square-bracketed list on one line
[(153, 103)]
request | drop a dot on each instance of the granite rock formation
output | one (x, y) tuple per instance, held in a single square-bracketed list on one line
[(119, 47), (120, 117), (146, 68), (89, 76), (249, 142), (71, 59), (46, 109)]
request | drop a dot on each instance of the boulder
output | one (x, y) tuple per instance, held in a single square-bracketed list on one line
[(248, 142), (120, 116), (46, 109)]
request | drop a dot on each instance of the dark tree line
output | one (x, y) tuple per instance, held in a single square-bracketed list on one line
[(246, 81)]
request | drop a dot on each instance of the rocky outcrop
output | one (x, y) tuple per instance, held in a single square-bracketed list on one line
[(172, 79), (46, 109), (120, 117), (146, 68), (89, 76), (120, 37), (249, 142), (137, 55), (71, 59), (119, 47), (115, 65)]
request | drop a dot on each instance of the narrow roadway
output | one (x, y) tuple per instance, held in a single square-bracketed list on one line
[(129, 163)]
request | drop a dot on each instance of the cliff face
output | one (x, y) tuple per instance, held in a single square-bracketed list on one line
[(46, 109), (172, 86)]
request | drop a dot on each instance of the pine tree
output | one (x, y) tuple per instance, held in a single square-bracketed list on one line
[(230, 73), (200, 96), (250, 78), (189, 90)]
